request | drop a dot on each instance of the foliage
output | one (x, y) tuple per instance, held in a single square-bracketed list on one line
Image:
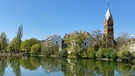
[(35, 48), (3, 42), (74, 42), (84, 53), (15, 64), (53, 50), (43, 46), (30, 63), (106, 53), (99, 53), (28, 43), (19, 37), (64, 53), (124, 53), (15, 44), (91, 52), (3, 65), (88, 52), (97, 35), (96, 38), (12, 47), (105, 43), (122, 40)]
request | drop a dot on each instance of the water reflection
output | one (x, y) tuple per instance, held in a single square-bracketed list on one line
[(30, 63), (15, 64), (65, 67), (3, 65)]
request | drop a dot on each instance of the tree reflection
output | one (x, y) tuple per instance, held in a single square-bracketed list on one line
[(15, 64), (30, 63), (125, 69), (75, 67), (3, 65)]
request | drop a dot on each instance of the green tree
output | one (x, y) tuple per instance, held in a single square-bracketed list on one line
[(74, 41), (28, 43), (35, 48), (124, 53), (19, 37), (14, 45), (43, 46), (3, 42)]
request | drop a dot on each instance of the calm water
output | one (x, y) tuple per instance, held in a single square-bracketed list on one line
[(40, 66)]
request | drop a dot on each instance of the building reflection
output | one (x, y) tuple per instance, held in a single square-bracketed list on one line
[(51, 65)]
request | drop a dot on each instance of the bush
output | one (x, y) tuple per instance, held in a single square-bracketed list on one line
[(53, 50), (84, 53), (112, 53), (99, 53), (133, 54), (106, 53), (64, 53), (124, 55), (91, 52)]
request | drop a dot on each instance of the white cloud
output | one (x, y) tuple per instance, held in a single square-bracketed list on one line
[(132, 35)]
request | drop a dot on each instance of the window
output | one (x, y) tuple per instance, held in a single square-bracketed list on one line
[(56, 42), (85, 43)]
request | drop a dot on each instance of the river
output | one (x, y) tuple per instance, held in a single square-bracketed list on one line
[(41, 66)]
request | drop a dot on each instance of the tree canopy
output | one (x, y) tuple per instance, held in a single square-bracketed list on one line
[(28, 43), (15, 44)]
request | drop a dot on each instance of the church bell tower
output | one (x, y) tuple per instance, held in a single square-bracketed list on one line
[(108, 27)]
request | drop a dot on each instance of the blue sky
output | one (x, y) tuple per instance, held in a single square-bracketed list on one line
[(41, 18)]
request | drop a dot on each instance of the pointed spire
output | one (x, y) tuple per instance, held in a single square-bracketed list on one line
[(108, 15)]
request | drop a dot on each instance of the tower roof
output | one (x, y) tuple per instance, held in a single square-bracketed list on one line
[(108, 15)]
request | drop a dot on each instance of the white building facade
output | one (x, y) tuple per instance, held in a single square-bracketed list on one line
[(54, 40)]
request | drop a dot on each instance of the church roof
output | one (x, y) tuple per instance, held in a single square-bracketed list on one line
[(108, 15)]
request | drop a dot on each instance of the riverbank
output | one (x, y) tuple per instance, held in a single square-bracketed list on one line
[(59, 56), (11, 54), (15, 54)]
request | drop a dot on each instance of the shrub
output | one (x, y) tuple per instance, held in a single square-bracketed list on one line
[(91, 52), (124, 54), (64, 53), (106, 53), (99, 53), (84, 53)]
